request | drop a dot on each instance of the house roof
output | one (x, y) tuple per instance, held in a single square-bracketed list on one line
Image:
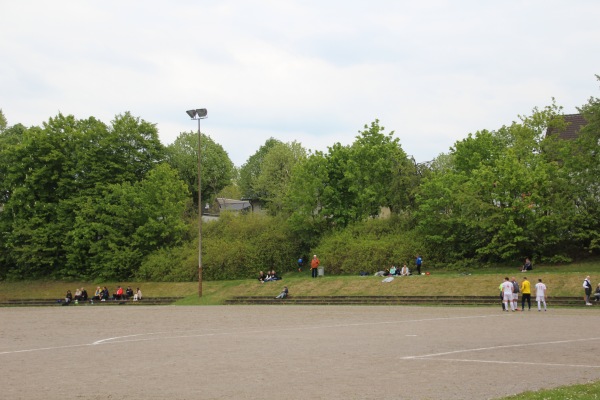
[(574, 124), (232, 205)]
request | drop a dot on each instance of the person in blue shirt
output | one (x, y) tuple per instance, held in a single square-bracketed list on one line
[(419, 262)]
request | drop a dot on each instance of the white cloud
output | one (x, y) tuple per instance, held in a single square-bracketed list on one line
[(311, 71)]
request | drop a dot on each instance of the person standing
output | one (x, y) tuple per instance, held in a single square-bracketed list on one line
[(419, 262), (515, 294), (314, 264), (300, 262), (526, 293), (540, 294), (587, 287), (507, 290)]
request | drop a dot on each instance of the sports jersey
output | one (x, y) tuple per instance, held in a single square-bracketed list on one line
[(525, 287), (540, 289)]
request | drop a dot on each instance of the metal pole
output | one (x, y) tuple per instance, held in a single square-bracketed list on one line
[(199, 213)]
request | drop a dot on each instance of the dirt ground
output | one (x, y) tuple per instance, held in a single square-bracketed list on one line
[(292, 352)]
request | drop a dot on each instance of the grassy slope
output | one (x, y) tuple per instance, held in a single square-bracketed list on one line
[(590, 391), (563, 280)]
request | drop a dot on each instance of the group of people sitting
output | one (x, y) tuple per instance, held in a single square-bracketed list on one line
[(394, 271), (268, 277), (80, 295), (102, 294)]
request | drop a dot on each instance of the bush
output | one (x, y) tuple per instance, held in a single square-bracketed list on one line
[(178, 264), (238, 246), (370, 246)]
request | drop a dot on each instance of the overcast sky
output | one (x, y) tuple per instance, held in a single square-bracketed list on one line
[(311, 71)]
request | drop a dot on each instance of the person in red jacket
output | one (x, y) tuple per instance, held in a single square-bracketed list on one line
[(118, 295), (314, 264)]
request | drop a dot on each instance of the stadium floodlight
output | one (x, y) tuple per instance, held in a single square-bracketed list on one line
[(198, 114)]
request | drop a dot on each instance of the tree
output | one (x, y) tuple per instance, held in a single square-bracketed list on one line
[(352, 183), (113, 233), (47, 174), (507, 195), (217, 169), (251, 170), (275, 174), (3, 121)]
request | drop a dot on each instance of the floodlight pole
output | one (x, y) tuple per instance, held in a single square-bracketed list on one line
[(199, 114)]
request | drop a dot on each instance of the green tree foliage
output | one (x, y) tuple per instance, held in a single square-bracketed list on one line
[(48, 175), (369, 246), (114, 232), (3, 121), (238, 246), (217, 168), (275, 174), (252, 169), (351, 183), (583, 162), (507, 194)]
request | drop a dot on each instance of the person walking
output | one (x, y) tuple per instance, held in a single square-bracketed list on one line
[(419, 262), (507, 290), (526, 293), (587, 287), (314, 264), (540, 294), (515, 294)]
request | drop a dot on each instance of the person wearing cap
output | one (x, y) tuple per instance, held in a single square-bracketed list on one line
[(314, 264)]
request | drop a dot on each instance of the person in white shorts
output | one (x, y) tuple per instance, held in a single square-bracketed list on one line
[(515, 294), (507, 290), (540, 294)]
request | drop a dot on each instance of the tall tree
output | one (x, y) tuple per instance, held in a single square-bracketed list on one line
[(114, 232), (47, 170), (352, 183), (3, 121), (251, 170), (275, 174), (217, 168)]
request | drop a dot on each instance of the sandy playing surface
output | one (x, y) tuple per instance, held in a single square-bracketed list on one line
[(292, 352)]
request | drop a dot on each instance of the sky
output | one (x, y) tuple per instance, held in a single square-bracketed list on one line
[(315, 72)]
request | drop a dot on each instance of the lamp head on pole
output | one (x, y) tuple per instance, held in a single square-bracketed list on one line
[(198, 113)]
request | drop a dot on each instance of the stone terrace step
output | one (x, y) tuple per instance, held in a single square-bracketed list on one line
[(395, 300), (54, 302)]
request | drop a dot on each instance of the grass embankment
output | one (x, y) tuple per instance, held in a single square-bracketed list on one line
[(589, 391), (562, 280)]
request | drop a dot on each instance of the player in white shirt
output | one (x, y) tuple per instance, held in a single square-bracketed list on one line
[(507, 290), (540, 294)]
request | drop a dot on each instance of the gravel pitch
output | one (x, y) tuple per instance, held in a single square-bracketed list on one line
[(292, 352)]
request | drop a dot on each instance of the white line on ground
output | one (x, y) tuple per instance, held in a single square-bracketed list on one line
[(499, 347), (510, 362)]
